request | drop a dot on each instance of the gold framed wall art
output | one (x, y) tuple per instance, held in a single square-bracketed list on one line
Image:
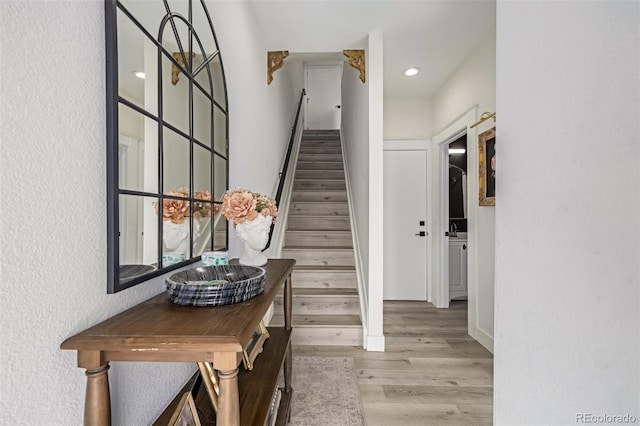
[(487, 167)]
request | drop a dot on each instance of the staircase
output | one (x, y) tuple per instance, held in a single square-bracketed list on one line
[(326, 309)]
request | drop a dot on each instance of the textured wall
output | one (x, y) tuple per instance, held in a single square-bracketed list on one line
[(52, 169), (53, 221), (568, 213)]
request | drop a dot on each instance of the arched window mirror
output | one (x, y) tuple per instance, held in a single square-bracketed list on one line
[(167, 138)]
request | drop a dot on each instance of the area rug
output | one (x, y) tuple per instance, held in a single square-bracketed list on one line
[(325, 392)]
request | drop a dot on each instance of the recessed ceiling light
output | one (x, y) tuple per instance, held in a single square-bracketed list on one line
[(457, 150), (409, 72), (138, 74)]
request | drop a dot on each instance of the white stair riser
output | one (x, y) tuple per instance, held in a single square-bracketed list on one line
[(320, 257), (319, 174), (321, 185), (321, 305), (319, 209), (328, 196), (318, 239), (319, 165)]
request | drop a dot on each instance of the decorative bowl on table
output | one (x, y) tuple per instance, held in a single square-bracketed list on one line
[(216, 285)]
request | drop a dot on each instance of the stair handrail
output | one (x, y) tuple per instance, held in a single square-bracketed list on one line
[(285, 166)]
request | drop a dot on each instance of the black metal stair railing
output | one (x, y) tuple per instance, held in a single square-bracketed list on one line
[(285, 166)]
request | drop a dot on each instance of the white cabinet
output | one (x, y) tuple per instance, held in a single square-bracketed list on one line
[(457, 268)]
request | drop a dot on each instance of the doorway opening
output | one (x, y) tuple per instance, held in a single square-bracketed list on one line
[(458, 208)]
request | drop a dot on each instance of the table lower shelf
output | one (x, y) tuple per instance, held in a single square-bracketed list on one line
[(255, 387)]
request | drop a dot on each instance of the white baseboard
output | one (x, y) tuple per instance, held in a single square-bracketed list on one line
[(375, 343), (484, 339)]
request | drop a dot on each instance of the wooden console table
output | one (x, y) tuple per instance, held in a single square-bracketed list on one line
[(159, 330)]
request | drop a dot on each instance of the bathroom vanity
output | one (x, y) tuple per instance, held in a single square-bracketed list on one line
[(458, 266)]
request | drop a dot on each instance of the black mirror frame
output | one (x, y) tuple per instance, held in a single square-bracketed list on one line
[(113, 100)]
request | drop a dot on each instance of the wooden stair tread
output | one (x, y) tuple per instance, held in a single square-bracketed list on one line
[(320, 320), (316, 248), (325, 292), (328, 231), (324, 268), (320, 216), (319, 180)]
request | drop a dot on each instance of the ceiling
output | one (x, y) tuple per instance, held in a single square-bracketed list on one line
[(434, 35)]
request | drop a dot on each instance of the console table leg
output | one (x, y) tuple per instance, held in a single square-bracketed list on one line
[(97, 402), (228, 403), (288, 303), (288, 363)]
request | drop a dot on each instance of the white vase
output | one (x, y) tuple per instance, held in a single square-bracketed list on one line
[(254, 234), (175, 238)]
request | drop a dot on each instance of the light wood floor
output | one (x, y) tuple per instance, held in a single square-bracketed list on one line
[(432, 372)]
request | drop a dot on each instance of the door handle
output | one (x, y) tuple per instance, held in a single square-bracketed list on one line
[(464, 247), (421, 234), (338, 106)]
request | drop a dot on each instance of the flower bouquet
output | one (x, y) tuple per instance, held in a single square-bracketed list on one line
[(176, 231), (176, 210), (252, 213)]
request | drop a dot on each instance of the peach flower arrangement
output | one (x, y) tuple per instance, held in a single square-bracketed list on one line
[(240, 205), (176, 210)]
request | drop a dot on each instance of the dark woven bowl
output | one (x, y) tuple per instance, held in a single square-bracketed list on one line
[(215, 285)]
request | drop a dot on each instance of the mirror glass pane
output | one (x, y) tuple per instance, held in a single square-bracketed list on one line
[(220, 235), (203, 30), (219, 92), (176, 233), (137, 151), (132, 45), (175, 97), (220, 178), (175, 161), (202, 221), (220, 131), (147, 13), (202, 117), (138, 236), (201, 169)]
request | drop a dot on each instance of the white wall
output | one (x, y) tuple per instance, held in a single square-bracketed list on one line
[(355, 136), (407, 118), (53, 225), (260, 115), (362, 114), (568, 212), (472, 84)]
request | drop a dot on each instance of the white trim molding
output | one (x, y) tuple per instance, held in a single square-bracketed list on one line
[(362, 292), (438, 203)]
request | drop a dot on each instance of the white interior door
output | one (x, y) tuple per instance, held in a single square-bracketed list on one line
[(324, 96), (405, 206)]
